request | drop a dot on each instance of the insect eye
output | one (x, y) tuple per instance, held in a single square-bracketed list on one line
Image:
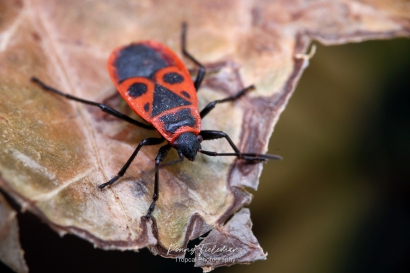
[(199, 137)]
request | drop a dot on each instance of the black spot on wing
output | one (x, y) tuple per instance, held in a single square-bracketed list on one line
[(186, 94), (138, 61), (137, 89), (174, 121), (146, 107), (165, 99), (173, 78)]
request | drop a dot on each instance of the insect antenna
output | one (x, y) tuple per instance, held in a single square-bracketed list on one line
[(245, 156)]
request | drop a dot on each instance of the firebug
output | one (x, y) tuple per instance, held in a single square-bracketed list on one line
[(156, 84)]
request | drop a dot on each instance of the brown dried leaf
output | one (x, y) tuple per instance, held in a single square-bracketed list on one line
[(11, 253), (54, 152), (230, 244)]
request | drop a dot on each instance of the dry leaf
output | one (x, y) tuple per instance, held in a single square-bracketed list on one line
[(231, 244), (11, 253), (54, 152)]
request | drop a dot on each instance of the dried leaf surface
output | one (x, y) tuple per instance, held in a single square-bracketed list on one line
[(230, 244), (54, 152), (11, 253)]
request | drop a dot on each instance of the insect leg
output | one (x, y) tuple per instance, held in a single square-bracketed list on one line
[(162, 153), (212, 104), (211, 134), (145, 142), (201, 72), (102, 106)]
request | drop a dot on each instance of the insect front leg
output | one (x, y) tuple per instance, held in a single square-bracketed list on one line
[(145, 142), (162, 153)]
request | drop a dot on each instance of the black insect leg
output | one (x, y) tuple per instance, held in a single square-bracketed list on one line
[(162, 153), (212, 104), (201, 72), (102, 106), (145, 142), (211, 134)]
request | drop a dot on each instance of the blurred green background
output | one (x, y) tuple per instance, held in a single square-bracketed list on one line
[(338, 202)]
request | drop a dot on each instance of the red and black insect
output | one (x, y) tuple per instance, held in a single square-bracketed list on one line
[(156, 84)]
